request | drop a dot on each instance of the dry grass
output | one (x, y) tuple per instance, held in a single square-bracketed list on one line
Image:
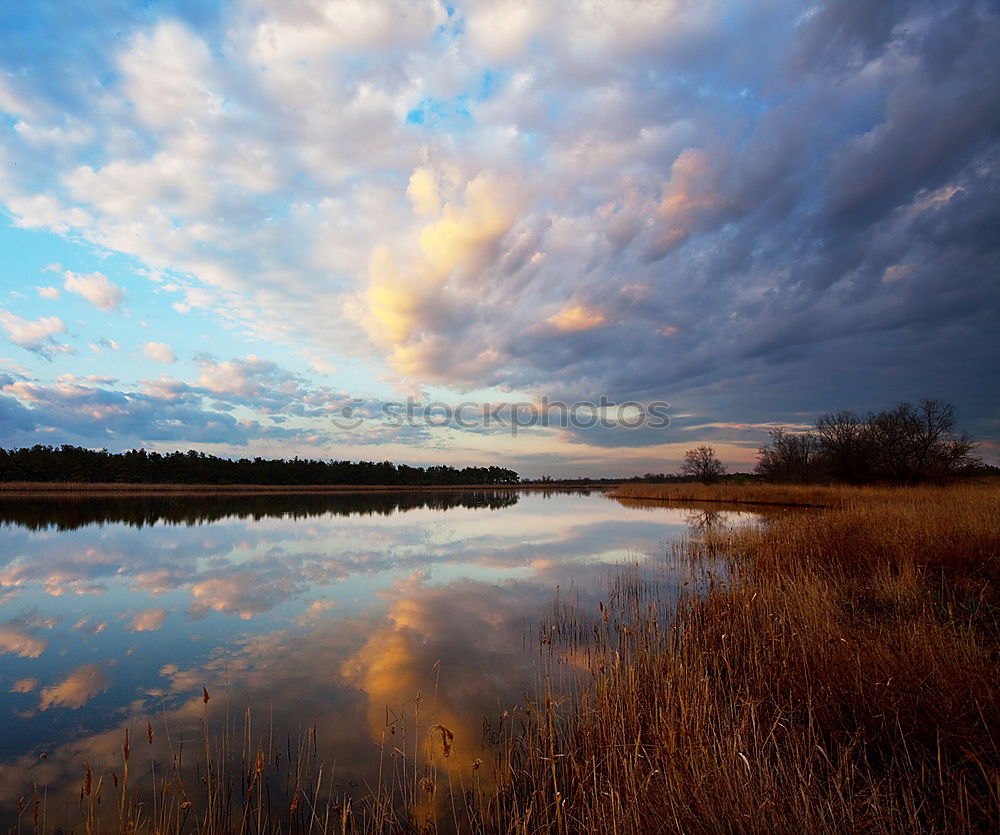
[(845, 678), (790, 495)]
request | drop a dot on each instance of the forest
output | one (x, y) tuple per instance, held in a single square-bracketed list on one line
[(139, 466)]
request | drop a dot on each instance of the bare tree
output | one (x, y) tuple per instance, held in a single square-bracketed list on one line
[(790, 456), (847, 445), (701, 463), (905, 444), (918, 443)]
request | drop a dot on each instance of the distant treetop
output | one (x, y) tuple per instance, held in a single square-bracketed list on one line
[(906, 445), (138, 466)]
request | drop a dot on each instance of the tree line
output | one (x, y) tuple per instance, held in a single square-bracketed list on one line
[(906, 444), (139, 466)]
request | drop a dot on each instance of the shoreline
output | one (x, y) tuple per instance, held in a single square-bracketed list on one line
[(67, 489)]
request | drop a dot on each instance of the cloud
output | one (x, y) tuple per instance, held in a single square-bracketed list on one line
[(11, 100), (240, 593), (159, 352), (166, 410), (95, 288), (35, 335), (576, 318), (415, 298), (102, 344), (48, 292), (16, 640), (148, 621), (78, 688), (24, 685), (167, 75), (246, 378)]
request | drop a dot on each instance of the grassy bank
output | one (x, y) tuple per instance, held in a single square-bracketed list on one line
[(844, 678), (796, 495)]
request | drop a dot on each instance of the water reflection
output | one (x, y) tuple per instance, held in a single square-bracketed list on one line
[(67, 512), (338, 610)]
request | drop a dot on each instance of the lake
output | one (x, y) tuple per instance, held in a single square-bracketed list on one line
[(353, 623)]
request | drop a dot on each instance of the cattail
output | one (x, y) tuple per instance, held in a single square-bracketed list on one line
[(447, 738), (204, 695), (149, 732)]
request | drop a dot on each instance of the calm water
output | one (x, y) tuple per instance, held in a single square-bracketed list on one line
[(328, 610)]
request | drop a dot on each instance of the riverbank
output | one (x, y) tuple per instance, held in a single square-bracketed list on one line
[(793, 495)]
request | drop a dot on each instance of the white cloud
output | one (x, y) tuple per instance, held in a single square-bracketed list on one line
[(34, 335), (46, 211), (167, 76), (96, 288), (319, 363), (159, 352), (48, 292), (57, 136)]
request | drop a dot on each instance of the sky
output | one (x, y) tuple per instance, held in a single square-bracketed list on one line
[(245, 226)]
